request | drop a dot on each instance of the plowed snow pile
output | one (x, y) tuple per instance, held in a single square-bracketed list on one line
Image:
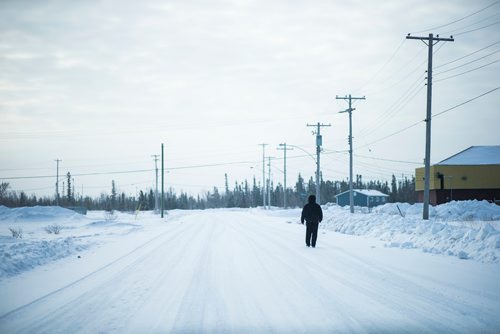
[(466, 229)]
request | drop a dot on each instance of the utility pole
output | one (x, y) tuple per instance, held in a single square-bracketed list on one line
[(319, 142), (269, 183), (57, 181), (162, 181), (431, 41), (263, 174), (284, 149), (155, 157), (350, 110)]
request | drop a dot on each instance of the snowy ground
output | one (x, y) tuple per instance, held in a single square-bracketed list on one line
[(249, 271)]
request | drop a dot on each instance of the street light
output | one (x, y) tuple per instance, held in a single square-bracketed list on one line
[(300, 148), (312, 157)]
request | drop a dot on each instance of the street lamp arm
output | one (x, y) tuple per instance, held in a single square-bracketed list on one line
[(300, 148)]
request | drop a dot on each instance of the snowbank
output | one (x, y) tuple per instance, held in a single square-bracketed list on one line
[(38, 247), (452, 211), (466, 229), (38, 213), (18, 255)]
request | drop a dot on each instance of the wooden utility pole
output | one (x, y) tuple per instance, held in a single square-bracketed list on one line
[(349, 110), (162, 182), (284, 148), (263, 175), (57, 181), (319, 143), (155, 157), (430, 42), (269, 183)]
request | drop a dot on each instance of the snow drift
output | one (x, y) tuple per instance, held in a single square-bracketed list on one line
[(466, 229)]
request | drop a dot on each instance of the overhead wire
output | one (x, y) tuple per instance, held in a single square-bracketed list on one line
[(400, 103), (397, 106), (404, 77), (467, 63), (390, 160), (465, 102), (467, 55), (434, 115), (484, 27), (379, 169), (393, 55), (74, 175), (470, 25), (471, 70), (458, 20), (385, 171)]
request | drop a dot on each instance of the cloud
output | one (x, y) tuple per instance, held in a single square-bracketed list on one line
[(227, 73)]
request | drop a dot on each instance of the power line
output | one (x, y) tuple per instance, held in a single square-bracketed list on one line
[(390, 135), (397, 106), (390, 160), (458, 20), (405, 76), (480, 28), (467, 55), (381, 170), (383, 66), (84, 174), (133, 171), (470, 100), (401, 102), (467, 63), (470, 25), (435, 115), (472, 70)]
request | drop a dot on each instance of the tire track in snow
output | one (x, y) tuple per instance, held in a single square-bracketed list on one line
[(320, 297), (201, 306), (407, 295), (49, 319), (376, 290)]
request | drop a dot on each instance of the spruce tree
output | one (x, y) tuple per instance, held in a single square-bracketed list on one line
[(70, 198)]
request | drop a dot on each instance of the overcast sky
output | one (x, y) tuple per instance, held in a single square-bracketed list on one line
[(101, 84)]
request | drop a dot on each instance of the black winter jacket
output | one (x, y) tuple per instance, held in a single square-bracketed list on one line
[(311, 213)]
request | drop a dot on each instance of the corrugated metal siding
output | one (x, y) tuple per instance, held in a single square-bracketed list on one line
[(460, 177)]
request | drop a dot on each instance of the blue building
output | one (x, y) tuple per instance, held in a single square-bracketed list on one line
[(362, 197)]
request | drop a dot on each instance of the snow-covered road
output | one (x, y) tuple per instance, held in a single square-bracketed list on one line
[(232, 271)]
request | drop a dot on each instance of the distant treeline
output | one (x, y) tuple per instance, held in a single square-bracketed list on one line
[(242, 195)]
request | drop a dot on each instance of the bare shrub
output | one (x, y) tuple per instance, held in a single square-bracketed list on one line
[(53, 229), (17, 232), (110, 216)]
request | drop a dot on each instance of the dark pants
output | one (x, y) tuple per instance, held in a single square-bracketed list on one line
[(311, 233)]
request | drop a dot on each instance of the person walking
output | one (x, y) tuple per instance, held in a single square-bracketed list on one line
[(312, 215)]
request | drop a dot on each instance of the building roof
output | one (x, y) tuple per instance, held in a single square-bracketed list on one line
[(366, 192), (475, 155)]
